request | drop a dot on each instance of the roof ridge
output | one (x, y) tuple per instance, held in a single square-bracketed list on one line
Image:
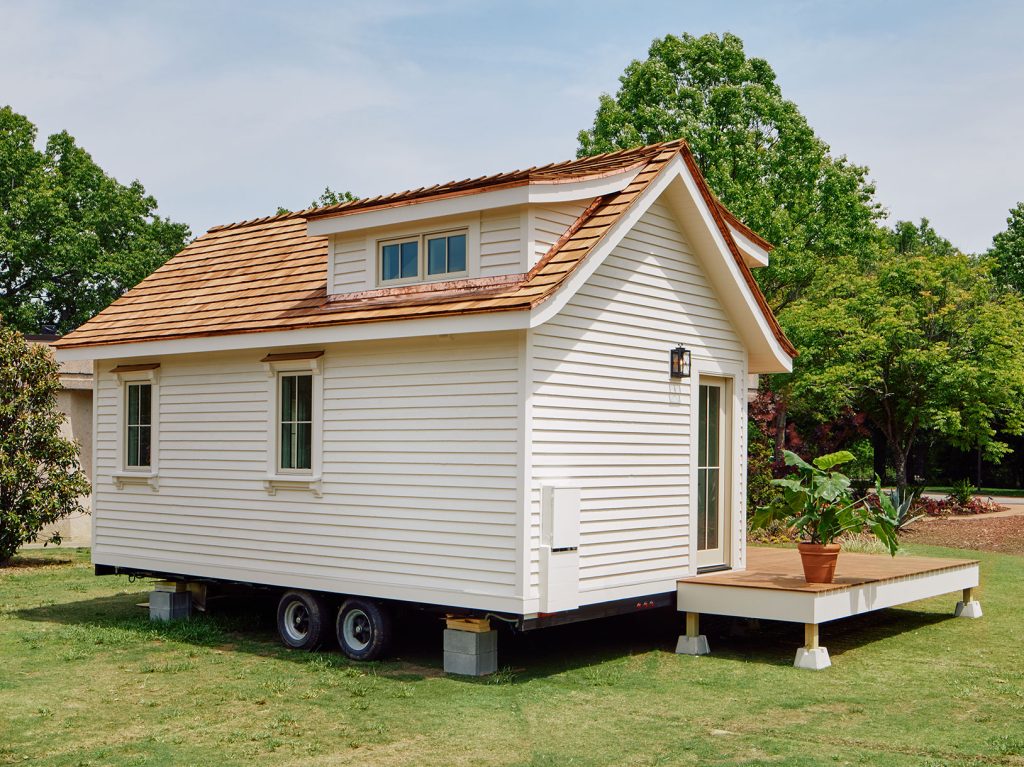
[(259, 220), (647, 151)]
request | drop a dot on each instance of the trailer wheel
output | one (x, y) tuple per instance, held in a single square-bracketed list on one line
[(364, 629), (301, 620)]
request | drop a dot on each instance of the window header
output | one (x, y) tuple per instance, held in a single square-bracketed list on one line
[(290, 356)]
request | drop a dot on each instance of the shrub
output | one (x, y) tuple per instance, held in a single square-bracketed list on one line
[(962, 492), (41, 481)]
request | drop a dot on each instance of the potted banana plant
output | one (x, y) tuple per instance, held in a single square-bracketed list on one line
[(816, 502)]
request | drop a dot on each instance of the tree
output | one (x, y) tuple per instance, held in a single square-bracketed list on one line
[(41, 481), (1007, 251), (72, 239), (755, 148), (327, 197), (924, 340)]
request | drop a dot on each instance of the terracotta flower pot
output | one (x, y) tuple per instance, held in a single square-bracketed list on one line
[(819, 561)]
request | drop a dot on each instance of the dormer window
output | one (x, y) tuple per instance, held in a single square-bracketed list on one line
[(435, 256)]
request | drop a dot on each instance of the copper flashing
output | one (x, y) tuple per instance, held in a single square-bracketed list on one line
[(293, 356), (136, 368)]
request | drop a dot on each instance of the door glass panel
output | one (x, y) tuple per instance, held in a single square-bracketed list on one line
[(708, 467)]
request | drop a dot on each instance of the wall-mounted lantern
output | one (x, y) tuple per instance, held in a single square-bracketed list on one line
[(679, 362)]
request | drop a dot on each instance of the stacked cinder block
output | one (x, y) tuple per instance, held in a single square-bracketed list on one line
[(470, 653), (170, 601)]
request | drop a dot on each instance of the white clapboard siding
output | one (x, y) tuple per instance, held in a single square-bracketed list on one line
[(501, 242), (607, 418), (420, 487), (348, 264), (549, 222)]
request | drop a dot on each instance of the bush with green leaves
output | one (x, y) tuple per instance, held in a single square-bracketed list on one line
[(962, 492), (816, 502), (41, 481)]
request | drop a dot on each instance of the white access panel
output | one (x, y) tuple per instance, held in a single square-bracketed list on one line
[(560, 510)]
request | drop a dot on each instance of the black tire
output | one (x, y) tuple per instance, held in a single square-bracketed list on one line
[(302, 620), (364, 629)]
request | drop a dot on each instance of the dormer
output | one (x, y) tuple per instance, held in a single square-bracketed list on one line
[(492, 227)]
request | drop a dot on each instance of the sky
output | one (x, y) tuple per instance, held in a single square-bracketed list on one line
[(227, 110)]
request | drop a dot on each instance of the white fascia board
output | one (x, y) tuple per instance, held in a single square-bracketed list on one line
[(279, 339), (753, 254), (765, 353), (537, 193)]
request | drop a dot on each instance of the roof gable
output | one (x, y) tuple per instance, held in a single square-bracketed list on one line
[(268, 275)]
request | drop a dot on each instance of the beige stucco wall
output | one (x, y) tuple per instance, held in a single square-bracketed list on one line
[(75, 401)]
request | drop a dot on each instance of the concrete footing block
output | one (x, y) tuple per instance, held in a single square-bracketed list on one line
[(470, 653), (697, 645), (812, 658), (968, 609), (169, 605)]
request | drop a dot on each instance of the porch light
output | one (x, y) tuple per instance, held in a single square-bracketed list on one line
[(679, 362)]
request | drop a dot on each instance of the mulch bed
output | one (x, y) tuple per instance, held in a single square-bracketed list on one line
[(1003, 534)]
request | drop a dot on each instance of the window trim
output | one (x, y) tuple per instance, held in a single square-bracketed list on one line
[(278, 366), (124, 475), (279, 422), (422, 238), (128, 426), (381, 244)]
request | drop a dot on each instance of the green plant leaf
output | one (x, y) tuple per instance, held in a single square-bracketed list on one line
[(831, 460)]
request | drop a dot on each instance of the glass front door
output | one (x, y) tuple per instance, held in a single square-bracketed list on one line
[(712, 475)]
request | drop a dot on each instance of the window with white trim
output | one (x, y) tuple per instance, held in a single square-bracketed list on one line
[(295, 423), (138, 437), (434, 256)]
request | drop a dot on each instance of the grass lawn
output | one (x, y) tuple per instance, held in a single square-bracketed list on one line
[(85, 679)]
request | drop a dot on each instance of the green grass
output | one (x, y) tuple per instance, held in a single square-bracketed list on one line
[(85, 679)]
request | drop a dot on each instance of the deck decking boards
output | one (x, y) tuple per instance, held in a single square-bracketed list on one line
[(780, 570)]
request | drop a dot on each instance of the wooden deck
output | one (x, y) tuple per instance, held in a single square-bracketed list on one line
[(779, 569), (773, 587)]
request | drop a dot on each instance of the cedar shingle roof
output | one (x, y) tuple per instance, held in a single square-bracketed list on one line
[(268, 274)]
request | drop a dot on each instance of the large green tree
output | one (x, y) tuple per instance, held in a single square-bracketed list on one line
[(40, 478), (1007, 251), (72, 239), (755, 148), (925, 340)]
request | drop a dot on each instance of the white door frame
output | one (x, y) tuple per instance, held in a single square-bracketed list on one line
[(734, 463)]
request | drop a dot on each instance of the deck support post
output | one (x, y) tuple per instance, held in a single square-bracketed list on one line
[(470, 647), (968, 606), (693, 642), (812, 655)]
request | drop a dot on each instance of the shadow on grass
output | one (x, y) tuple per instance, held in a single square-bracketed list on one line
[(246, 622), (52, 559)]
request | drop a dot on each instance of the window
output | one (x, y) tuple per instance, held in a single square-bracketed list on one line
[(400, 260), (430, 256), (295, 447), (138, 424), (446, 254)]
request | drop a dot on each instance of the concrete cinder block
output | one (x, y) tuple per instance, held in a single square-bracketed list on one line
[(468, 664), (697, 645), (470, 653), (812, 658), (169, 605), (470, 642), (970, 609)]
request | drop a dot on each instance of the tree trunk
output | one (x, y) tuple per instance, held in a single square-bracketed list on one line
[(879, 448), (899, 460), (780, 430)]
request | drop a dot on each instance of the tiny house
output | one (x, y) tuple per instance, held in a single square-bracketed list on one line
[(519, 396)]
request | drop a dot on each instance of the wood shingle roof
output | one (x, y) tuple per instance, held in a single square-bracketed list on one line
[(269, 275)]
